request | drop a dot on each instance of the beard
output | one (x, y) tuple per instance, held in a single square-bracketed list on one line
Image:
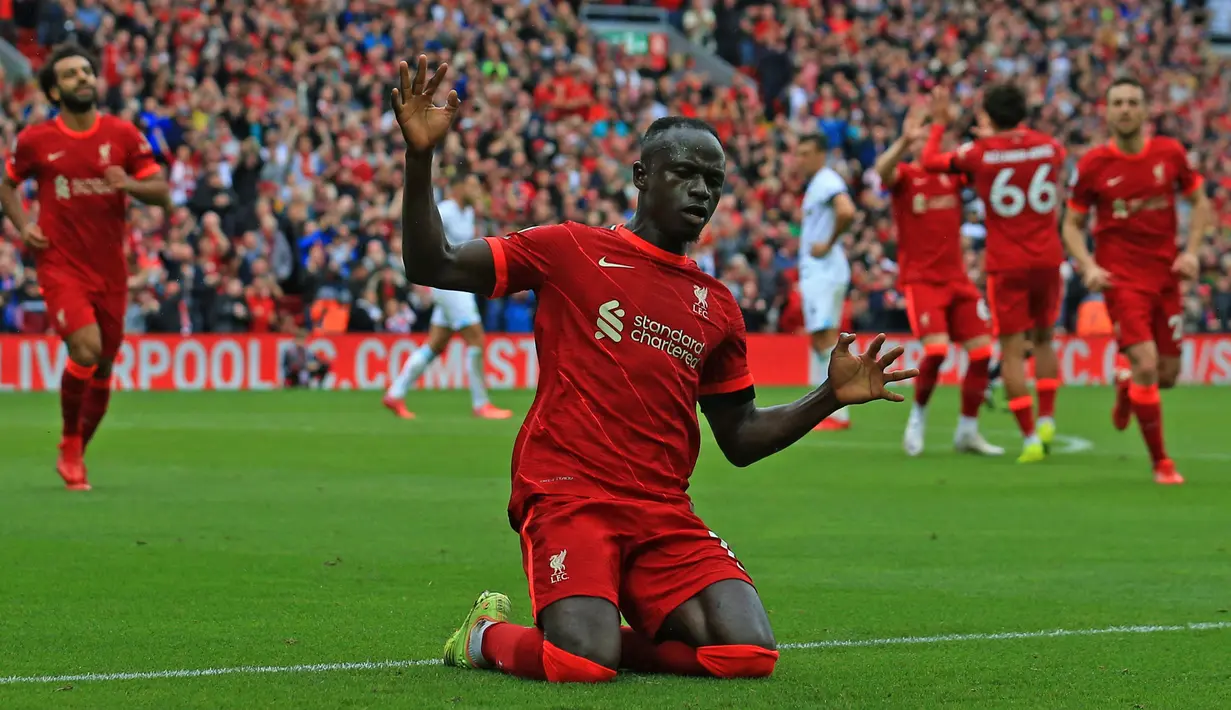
[(75, 104)]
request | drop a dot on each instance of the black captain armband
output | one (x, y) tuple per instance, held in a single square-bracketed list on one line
[(728, 399)]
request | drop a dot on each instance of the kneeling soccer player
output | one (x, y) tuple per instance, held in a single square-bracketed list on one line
[(631, 336)]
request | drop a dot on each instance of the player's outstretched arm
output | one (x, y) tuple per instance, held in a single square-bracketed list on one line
[(426, 253), (747, 433), (886, 165)]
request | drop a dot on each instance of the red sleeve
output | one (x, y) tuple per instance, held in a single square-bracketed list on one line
[(139, 161), (1082, 196), (726, 369), (1188, 180), (933, 160), (523, 259), (20, 165)]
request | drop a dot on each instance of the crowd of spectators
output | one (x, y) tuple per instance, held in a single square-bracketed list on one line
[(285, 164)]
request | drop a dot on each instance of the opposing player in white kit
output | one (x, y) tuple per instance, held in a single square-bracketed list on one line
[(824, 274), (453, 312)]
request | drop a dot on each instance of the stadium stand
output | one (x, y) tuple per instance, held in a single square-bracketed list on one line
[(271, 118)]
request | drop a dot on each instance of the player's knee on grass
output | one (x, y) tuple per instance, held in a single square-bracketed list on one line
[(726, 613), (585, 627)]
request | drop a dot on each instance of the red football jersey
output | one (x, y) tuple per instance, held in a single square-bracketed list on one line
[(628, 336), (1015, 174), (82, 216), (1133, 198), (927, 209)]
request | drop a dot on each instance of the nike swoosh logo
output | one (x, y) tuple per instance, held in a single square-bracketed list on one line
[(1114, 181), (609, 265), (55, 156)]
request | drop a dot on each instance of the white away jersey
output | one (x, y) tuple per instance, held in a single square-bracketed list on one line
[(458, 221), (818, 225)]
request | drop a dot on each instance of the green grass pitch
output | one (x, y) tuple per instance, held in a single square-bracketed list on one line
[(284, 529)]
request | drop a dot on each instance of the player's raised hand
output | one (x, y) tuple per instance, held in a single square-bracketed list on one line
[(856, 379), (1095, 278), (940, 108), (914, 126), (1186, 266), (423, 123), (33, 236)]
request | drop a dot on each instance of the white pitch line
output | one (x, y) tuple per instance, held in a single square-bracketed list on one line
[(1009, 635), (811, 645)]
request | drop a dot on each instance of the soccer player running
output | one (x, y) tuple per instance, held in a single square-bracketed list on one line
[(631, 336), (1014, 171), (824, 274), (1130, 183), (86, 165), (452, 312), (941, 301)]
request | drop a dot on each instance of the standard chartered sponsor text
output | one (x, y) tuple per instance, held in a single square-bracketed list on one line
[(672, 341)]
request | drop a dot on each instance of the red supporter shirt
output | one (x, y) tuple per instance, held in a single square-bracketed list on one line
[(628, 336), (83, 217), (927, 208), (1015, 174), (1133, 198)]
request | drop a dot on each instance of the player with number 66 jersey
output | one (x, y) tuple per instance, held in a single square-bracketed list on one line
[(1015, 170)]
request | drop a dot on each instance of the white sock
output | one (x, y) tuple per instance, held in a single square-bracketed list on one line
[(1048, 420), (918, 411), (1033, 439), (967, 425), (477, 378), (412, 370), (822, 370)]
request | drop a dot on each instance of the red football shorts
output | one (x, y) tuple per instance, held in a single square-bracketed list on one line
[(955, 309), (1024, 300), (645, 558), (71, 307), (1141, 316)]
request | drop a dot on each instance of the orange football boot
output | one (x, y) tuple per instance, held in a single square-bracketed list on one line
[(70, 464), (398, 407), (1166, 475)]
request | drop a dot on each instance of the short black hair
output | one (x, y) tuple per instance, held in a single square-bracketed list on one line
[(1127, 81), (653, 135), (817, 139), (47, 75), (1005, 104)]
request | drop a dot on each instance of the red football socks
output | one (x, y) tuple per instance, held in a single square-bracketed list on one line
[(974, 384), (639, 654), (1023, 408), (1149, 410), (740, 661), (1046, 388), (521, 651), (516, 650), (73, 385), (929, 372), (736, 661), (94, 407), (560, 666)]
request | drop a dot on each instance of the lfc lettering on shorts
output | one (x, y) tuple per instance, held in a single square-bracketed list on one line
[(558, 574)]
